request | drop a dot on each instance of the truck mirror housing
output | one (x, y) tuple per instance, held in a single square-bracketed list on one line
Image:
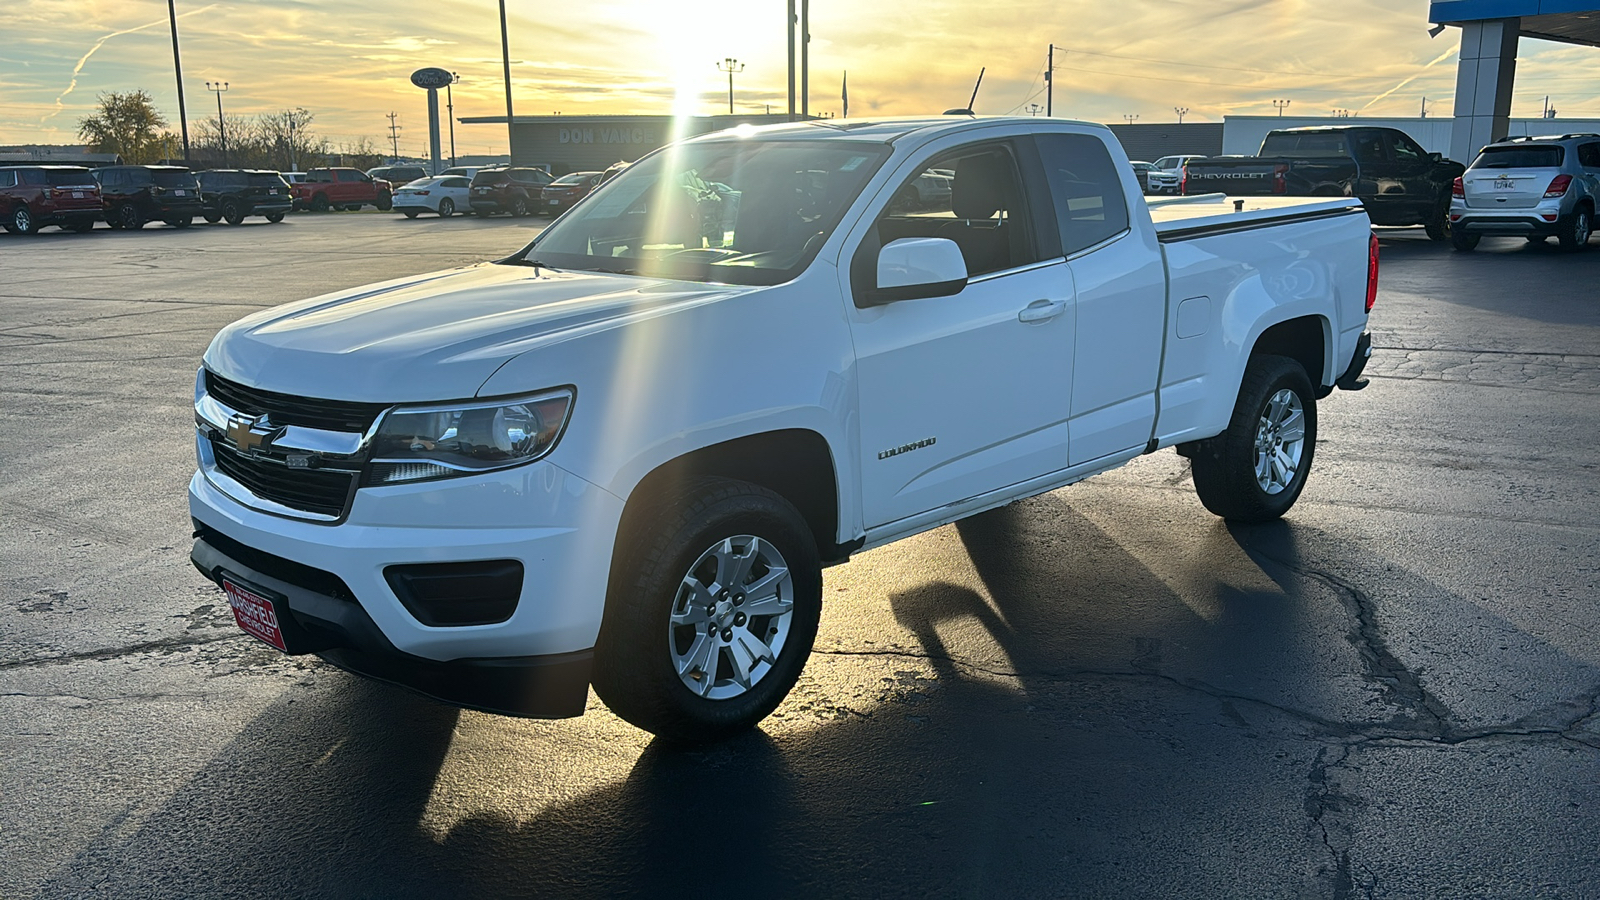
[(914, 268)]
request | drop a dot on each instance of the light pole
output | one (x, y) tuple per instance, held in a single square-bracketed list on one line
[(1181, 111), (505, 59), (730, 65), (294, 156), (450, 108), (177, 67), (1280, 104), (219, 88), (1131, 117)]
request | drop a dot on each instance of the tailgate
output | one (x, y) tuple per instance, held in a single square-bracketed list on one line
[(1243, 178), (1506, 188)]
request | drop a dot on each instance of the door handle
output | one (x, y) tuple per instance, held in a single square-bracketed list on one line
[(1042, 310)]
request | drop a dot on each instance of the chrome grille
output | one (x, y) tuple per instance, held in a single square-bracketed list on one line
[(322, 491), (289, 409)]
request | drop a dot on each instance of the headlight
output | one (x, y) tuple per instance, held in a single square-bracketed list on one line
[(424, 443)]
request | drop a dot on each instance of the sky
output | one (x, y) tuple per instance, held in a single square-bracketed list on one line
[(349, 62)]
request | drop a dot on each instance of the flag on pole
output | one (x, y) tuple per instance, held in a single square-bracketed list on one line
[(844, 95)]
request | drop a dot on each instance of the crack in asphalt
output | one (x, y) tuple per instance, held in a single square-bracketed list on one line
[(109, 653)]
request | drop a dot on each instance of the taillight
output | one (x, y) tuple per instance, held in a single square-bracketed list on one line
[(1372, 271), (1458, 189), (1280, 179), (421, 193), (1558, 186)]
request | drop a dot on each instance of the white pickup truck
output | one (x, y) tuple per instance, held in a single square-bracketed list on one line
[(623, 455)]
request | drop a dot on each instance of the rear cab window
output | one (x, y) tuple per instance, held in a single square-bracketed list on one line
[(1086, 187), (1317, 144)]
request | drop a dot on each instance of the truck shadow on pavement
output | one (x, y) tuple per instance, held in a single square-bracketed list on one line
[(1071, 725)]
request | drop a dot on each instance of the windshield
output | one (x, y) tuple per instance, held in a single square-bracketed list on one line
[(68, 177), (1546, 157), (741, 212)]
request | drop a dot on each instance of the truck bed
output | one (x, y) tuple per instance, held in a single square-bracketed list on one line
[(1178, 218)]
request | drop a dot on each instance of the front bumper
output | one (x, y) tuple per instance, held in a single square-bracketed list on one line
[(339, 630), (558, 526)]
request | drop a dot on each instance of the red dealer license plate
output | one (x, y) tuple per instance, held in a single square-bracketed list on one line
[(254, 612)]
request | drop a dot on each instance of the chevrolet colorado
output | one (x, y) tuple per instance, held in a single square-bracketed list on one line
[(623, 455)]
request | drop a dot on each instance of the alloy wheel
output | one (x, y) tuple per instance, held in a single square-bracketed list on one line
[(1280, 441), (731, 617)]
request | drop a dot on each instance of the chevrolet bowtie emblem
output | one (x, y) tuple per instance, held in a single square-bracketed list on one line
[(250, 432)]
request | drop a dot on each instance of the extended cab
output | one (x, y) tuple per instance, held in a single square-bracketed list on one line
[(339, 188), (623, 455), (1397, 181)]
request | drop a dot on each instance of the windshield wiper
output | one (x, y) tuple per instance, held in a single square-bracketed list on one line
[(537, 264)]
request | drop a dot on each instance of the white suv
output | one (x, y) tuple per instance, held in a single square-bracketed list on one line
[(1168, 175), (1532, 187)]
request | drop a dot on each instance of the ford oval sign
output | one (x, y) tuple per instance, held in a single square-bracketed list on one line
[(431, 78)]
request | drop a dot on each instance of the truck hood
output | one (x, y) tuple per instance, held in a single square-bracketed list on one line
[(433, 337)]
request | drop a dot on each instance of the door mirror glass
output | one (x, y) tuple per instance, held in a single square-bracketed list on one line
[(911, 268), (1436, 157)]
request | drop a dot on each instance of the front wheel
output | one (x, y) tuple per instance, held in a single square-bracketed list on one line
[(1575, 235), (320, 203), (519, 207), (1438, 227), (274, 217), (409, 213), (231, 212), (1254, 471), (384, 203), (22, 221), (711, 612), (129, 217)]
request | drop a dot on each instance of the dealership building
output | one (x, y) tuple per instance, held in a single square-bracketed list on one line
[(565, 144)]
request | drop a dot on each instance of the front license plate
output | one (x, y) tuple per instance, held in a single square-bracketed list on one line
[(254, 612), (555, 202)]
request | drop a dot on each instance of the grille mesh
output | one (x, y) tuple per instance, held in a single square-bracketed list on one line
[(288, 409), (324, 491)]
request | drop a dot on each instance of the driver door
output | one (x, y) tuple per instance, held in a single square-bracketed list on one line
[(966, 394)]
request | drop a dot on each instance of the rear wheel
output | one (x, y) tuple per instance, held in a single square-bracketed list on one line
[(519, 207), (320, 203), (129, 217), (711, 611), (447, 208), (274, 217), (22, 220), (212, 217), (384, 203), (1254, 471), (409, 213), (1438, 227), (231, 212), (1574, 235), (1464, 242)]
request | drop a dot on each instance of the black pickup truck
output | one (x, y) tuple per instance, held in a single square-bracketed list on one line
[(1399, 182)]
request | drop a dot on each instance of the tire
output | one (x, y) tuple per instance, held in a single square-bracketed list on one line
[(22, 220), (1276, 409), (212, 218), (274, 217), (384, 204), (183, 222), (1466, 243), (355, 208), (696, 535), (519, 207), (320, 203), (82, 227), (1538, 238), (409, 213), (129, 217), (1438, 227), (482, 213), (447, 208), (1575, 232), (231, 212)]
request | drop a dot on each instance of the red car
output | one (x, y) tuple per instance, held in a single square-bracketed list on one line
[(559, 195), (340, 188), (32, 197)]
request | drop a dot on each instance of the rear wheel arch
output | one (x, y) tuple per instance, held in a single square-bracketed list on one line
[(796, 464), (1304, 340)]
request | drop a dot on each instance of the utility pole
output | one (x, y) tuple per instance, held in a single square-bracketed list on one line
[(394, 137), (730, 65), (294, 157), (1050, 82), (219, 88), (177, 67), (805, 59), (505, 60), (1181, 111), (791, 59), (450, 109), (1424, 107), (1131, 117), (1280, 104)]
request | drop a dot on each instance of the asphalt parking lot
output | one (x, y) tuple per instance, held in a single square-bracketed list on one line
[(1099, 692)]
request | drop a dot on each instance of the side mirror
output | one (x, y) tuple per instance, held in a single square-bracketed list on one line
[(914, 268), (1436, 157)]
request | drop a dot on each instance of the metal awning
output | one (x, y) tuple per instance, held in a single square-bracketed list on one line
[(1565, 21)]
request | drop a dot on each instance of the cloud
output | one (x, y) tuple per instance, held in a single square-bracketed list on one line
[(82, 61)]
